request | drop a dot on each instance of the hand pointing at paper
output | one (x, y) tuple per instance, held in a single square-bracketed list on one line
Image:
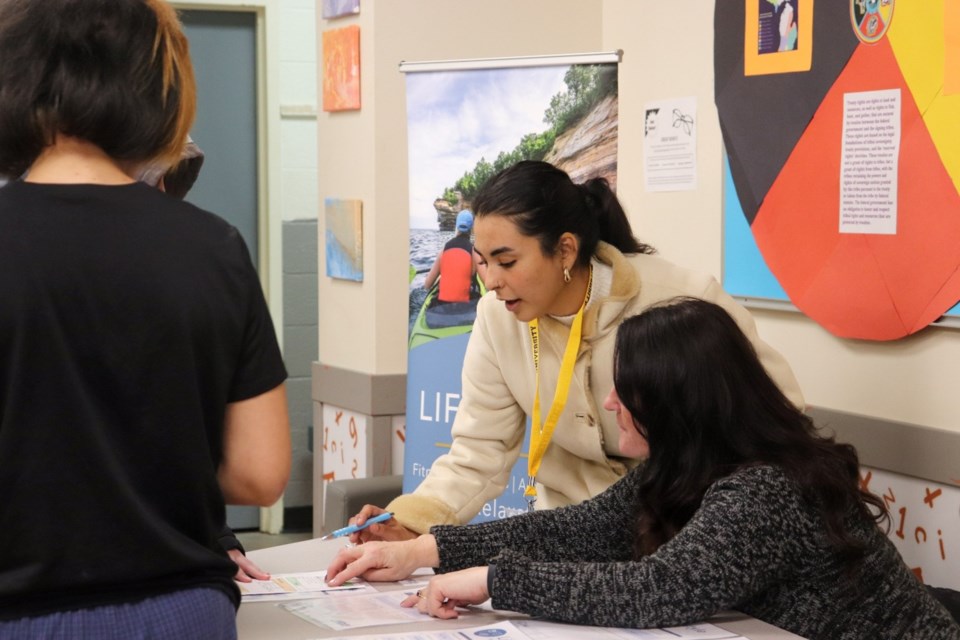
[(451, 590), (383, 561), (388, 561)]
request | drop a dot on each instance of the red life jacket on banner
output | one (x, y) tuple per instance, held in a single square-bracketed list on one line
[(456, 270)]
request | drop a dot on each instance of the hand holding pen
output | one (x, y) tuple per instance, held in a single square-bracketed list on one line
[(373, 524), (355, 528)]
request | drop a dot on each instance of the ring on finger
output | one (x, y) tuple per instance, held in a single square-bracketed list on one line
[(420, 594)]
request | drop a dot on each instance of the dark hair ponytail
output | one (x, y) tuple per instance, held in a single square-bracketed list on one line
[(545, 203), (612, 224)]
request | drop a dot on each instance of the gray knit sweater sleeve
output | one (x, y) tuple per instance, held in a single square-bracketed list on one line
[(753, 545), (710, 565), (555, 535)]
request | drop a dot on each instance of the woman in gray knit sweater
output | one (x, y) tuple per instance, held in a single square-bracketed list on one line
[(740, 504)]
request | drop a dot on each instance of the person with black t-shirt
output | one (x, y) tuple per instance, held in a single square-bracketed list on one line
[(177, 181), (142, 386)]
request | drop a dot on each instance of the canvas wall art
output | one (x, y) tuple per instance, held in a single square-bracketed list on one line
[(344, 239), (341, 69), (338, 8)]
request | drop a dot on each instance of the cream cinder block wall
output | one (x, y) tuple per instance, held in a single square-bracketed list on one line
[(668, 53), (363, 154), (296, 54)]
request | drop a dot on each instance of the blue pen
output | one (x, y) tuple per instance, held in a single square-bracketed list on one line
[(354, 528)]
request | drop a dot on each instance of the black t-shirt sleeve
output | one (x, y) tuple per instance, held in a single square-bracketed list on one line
[(228, 540), (260, 367)]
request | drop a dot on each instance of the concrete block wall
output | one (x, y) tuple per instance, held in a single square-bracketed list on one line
[(297, 67), (297, 61), (300, 310)]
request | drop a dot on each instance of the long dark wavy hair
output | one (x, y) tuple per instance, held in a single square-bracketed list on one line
[(707, 407), (545, 203)]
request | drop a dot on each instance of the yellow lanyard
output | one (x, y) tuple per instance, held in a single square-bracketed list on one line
[(540, 435)]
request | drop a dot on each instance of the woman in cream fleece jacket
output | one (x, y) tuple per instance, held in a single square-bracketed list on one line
[(549, 248)]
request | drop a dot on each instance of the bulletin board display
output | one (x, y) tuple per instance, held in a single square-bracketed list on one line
[(746, 275), (843, 165)]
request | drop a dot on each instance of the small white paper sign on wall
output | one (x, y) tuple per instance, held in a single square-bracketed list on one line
[(924, 524), (344, 444), (670, 145)]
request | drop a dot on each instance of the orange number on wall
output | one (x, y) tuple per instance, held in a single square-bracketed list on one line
[(353, 432), (903, 518)]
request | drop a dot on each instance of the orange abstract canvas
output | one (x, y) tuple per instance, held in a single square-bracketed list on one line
[(341, 69)]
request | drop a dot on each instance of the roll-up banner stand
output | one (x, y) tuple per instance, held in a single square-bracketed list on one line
[(466, 120)]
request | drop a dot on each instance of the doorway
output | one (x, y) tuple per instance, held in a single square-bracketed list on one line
[(223, 46)]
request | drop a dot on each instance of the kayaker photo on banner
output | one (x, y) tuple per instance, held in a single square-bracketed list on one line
[(455, 264), (452, 285)]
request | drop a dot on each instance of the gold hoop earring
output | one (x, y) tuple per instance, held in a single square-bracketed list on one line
[(566, 275)]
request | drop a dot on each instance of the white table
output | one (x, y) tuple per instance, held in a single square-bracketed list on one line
[(266, 621)]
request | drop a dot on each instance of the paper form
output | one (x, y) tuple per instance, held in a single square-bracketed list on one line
[(418, 579), (501, 631), (535, 629), (365, 610), (292, 586)]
